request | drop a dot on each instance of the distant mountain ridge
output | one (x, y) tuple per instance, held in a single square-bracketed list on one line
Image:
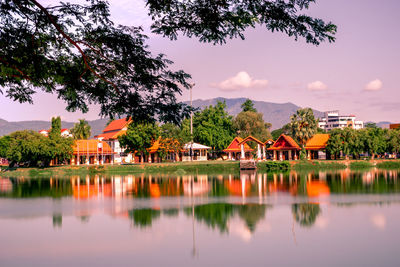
[(274, 113), (7, 127)]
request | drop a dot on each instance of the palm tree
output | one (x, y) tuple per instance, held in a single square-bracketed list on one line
[(303, 125), (81, 130)]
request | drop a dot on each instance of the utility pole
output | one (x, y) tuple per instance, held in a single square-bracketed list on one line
[(191, 122)]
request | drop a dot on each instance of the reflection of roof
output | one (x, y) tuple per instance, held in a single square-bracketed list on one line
[(234, 146), (116, 125), (317, 142), (195, 146), (317, 188), (92, 146), (284, 142)]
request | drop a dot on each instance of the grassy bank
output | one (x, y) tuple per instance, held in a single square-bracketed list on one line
[(390, 164), (318, 165), (359, 165)]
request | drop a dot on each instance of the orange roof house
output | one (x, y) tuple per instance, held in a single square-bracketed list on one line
[(286, 147), (317, 142), (114, 129), (93, 146), (235, 147)]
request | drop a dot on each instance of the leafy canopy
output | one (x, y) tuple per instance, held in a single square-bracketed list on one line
[(81, 130), (76, 52), (248, 105)]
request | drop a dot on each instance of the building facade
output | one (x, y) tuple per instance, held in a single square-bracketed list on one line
[(332, 120)]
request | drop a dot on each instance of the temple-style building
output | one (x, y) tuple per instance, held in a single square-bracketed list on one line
[(316, 146), (91, 152), (285, 148), (234, 149)]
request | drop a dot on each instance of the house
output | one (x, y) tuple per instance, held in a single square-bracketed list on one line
[(110, 135), (285, 148), (234, 149), (64, 132), (91, 151), (198, 152), (316, 146)]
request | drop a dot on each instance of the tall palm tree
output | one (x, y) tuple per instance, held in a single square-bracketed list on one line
[(81, 130), (303, 125)]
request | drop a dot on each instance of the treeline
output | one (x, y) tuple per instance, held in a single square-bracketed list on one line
[(30, 148), (212, 126), (354, 143)]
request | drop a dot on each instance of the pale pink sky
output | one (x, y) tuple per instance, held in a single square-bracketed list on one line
[(273, 67)]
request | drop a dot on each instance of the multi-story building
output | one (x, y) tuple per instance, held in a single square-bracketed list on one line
[(333, 120), (110, 135)]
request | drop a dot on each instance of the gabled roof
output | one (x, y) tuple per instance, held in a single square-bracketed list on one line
[(269, 141), (234, 146), (284, 142), (250, 138), (195, 146), (158, 145), (117, 125), (91, 146), (317, 142), (110, 135)]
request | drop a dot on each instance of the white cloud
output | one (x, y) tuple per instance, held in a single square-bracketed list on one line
[(316, 86), (242, 80), (374, 85)]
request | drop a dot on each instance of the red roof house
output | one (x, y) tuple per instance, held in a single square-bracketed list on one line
[(286, 148)]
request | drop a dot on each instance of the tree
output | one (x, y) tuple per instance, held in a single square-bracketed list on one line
[(81, 130), (139, 137), (248, 105), (252, 123), (4, 145), (213, 127), (374, 141), (393, 142), (55, 130), (303, 126), (76, 52), (335, 143), (284, 130), (370, 125)]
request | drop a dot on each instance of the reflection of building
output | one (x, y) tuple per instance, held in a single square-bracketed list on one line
[(333, 120), (5, 185)]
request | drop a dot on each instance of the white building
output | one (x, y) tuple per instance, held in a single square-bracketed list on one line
[(333, 120), (110, 135), (198, 152), (64, 133)]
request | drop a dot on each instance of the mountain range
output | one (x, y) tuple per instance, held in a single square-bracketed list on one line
[(7, 127)]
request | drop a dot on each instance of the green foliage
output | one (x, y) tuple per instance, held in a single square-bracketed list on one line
[(303, 125), (213, 127), (251, 123), (393, 144), (276, 165), (370, 125), (354, 165), (248, 105), (284, 130), (139, 137), (317, 165), (55, 131), (81, 130), (375, 140), (395, 164), (4, 145)]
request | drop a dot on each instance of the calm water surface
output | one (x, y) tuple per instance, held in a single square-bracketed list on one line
[(338, 218)]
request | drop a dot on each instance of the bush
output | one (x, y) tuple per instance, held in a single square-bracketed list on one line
[(312, 165), (276, 165), (395, 164), (360, 165)]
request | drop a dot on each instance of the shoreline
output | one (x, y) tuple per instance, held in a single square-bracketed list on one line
[(202, 167)]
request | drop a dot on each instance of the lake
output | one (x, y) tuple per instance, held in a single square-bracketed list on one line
[(320, 218)]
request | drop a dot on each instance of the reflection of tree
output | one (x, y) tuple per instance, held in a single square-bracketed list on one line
[(215, 215), (251, 214), (57, 220), (305, 213), (84, 218), (39, 188), (171, 212), (143, 217)]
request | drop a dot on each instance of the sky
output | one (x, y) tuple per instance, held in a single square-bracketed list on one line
[(358, 74)]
